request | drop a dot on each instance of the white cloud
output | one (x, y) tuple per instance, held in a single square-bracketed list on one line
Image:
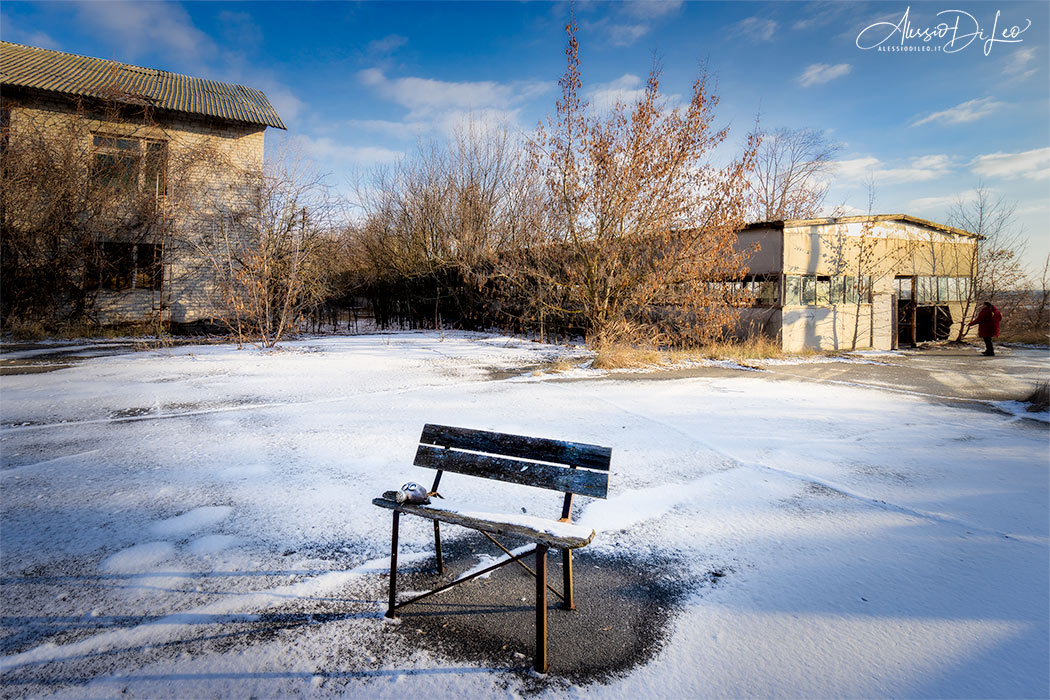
[(1031, 165), (634, 19), (942, 202), (1017, 64), (820, 73), (282, 98), (140, 32), (932, 162), (628, 88), (626, 34), (481, 123), (29, 38), (1034, 208), (426, 97), (239, 29), (650, 9), (325, 150), (962, 113), (144, 28), (390, 129), (822, 14), (756, 28), (617, 34), (841, 210), (387, 44), (919, 169)]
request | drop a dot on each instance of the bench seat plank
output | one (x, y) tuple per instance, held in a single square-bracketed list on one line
[(547, 476), (553, 533)]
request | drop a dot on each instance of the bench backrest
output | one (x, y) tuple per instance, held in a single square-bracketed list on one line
[(570, 467)]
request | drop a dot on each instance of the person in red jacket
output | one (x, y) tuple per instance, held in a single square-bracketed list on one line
[(987, 322)]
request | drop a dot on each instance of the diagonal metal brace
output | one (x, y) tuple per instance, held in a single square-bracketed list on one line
[(520, 562), (464, 579)]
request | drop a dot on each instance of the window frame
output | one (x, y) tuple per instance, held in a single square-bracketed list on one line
[(138, 158)]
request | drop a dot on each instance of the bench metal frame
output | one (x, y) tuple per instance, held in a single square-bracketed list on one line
[(552, 464)]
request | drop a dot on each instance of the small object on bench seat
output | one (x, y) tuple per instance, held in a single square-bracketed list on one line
[(411, 493), (551, 464)]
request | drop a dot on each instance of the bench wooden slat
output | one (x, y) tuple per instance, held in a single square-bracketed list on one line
[(581, 481), (496, 527), (576, 454)]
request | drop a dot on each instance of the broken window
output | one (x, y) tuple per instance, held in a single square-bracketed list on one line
[(131, 164), (809, 290), (927, 290), (864, 289), (849, 289), (766, 289), (823, 291), (792, 290), (904, 285), (838, 290), (120, 266), (942, 289)]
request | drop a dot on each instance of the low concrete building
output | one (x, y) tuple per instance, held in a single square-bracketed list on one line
[(192, 146), (857, 281)]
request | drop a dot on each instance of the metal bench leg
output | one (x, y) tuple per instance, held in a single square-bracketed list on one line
[(566, 575), (393, 568), (540, 663), (437, 547)]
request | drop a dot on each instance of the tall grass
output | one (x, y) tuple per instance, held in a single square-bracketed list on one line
[(616, 356), (1039, 400)]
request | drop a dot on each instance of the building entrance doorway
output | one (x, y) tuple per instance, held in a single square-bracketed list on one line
[(919, 320)]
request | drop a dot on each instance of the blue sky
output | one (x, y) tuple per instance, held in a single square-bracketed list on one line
[(360, 84)]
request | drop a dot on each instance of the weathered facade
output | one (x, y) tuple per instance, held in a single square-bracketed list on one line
[(191, 148), (858, 281)]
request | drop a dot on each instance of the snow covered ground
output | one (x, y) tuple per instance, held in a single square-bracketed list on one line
[(157, 506)]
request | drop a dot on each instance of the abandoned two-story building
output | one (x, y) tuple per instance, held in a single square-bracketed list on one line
[(192, 149), (858, 281)]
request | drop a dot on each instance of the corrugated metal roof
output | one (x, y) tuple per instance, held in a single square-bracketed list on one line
[(69, 74)]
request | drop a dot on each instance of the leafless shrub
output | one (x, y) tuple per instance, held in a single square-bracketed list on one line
[(1039, 400), (267, 251), (436, 226)]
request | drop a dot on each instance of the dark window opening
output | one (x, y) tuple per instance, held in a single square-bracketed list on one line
[(119, 266), (131, 164), (765, 289), (932, 323)]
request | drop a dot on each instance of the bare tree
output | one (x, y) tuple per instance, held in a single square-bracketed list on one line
[(643, 226), (266, 251), (995, 263), (792, 174)]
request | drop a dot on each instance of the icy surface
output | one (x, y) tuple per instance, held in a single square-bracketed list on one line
[(877, 544)]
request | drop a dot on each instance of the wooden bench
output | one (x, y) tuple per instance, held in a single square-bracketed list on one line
[(569, 467)]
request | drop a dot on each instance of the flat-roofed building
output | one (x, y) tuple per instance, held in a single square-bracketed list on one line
[(857, 281)]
